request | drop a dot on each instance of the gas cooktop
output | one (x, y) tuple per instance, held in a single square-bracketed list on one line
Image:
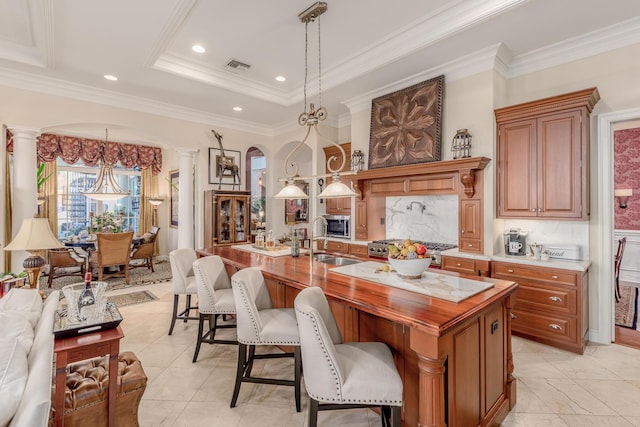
[(379, 248)]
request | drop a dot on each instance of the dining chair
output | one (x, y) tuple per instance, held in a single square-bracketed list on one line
[(67, 262), (215, 299), (259, 324), (616, 266), (184, 283), (112, 250), (144, 251), (340, 375)]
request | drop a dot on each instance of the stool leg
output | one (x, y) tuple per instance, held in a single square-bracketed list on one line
[(199, 342), (187, 308), (252, 353), (297, 362), (395, 416), (242, 360), (313, 413), (176, 298)]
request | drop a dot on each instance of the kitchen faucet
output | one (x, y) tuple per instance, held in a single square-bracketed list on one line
[(313, 223)]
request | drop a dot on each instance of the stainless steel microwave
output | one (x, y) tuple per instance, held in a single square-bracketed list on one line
[(338, 226)]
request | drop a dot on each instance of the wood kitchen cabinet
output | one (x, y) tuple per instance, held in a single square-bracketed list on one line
[(360, 224), (543, 157), (551, 304), (339, 205), (226, 217), (466, 265), (470, 229)]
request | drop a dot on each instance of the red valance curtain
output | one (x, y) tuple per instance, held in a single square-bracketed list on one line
[(93, 152)]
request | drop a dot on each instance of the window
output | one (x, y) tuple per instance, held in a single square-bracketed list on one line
[(74, 207)]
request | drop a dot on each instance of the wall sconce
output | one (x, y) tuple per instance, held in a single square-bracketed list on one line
[(623, 195)]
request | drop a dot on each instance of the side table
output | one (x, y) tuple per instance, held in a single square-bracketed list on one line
[(83, 347)]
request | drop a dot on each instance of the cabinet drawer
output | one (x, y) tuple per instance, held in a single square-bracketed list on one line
[(460, 265), (535, 274), (558, 300), (359, 250), (557, 328), (334, 246), (470, 245)]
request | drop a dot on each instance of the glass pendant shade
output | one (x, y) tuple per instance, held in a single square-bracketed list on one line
[(336, 189), (106, 187), (291, 191)]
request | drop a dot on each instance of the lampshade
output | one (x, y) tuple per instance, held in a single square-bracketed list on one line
[(623, 192), (291, 191), (106, 187), (155, 201), (336, 189), (34, 235)]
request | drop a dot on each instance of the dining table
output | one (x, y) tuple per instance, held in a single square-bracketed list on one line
[(90, 245)]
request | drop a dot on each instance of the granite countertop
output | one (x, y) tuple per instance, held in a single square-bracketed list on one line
[(449, 288), (582, 265)]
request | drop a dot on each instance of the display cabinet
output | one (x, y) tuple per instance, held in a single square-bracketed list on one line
[(227, 216)]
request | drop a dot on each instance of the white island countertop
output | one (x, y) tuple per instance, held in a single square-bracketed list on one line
[(450, 288)]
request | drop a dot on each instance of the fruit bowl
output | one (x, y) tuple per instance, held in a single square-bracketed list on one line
[(410, 268)]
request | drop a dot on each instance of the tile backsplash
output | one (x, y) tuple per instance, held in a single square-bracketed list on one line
[(425, 218)]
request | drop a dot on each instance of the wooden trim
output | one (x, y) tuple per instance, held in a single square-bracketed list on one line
[(586, 98)]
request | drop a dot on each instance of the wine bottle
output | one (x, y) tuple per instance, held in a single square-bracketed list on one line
[(86, 297)]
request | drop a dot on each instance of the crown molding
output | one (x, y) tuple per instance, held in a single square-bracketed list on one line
[(469, 65), (178, 15), (186, 68), (63, 88), (49, 39), (613, 37)]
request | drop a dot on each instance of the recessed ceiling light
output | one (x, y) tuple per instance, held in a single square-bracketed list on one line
[(237, 108), (281, 78), (198, 48), (110, 77)]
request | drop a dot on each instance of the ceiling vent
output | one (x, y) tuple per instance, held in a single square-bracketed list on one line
[(237, 66)]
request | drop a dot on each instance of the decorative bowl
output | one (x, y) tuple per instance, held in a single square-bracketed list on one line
[(410, 268)]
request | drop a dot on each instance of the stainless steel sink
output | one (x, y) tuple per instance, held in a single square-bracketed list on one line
[(335, 260)]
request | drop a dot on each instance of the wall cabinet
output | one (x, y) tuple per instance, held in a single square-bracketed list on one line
[(551, 304), (360, 223), (543, 157), (339, 205), (226, 217), (470, 225)]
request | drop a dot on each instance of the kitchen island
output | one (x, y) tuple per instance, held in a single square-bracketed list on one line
[(455, 359)]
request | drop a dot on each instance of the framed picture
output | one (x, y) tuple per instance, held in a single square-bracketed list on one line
[(173, 180), (406, 125), (230, 169), (297, 210)]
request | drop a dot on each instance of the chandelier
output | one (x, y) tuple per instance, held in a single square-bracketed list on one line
[(106, 187), (310, 118)]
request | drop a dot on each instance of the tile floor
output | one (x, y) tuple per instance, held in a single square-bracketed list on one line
[(555, 388)]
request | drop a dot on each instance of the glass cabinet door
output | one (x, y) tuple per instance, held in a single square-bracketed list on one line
[(225, 220), (240, 205)]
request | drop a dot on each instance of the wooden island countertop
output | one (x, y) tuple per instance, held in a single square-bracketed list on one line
[(454, 358)]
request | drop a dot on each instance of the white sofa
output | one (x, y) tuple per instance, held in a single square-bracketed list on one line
[(26, 357)]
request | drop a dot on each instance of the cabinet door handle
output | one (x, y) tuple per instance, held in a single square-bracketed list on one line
[(554, 277), (462, 231), (470, 245), (533, 210), (539, 210), (458, 265), (513, 316), (509, 271), (555, 326), (555, 299)]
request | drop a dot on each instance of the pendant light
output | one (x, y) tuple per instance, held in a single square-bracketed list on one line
[(310, 119), (106, 187)]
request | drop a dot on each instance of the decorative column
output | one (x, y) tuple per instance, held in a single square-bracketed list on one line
[(24, 183), (185, 199)]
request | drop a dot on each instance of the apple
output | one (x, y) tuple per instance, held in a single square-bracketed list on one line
[(421, 249)]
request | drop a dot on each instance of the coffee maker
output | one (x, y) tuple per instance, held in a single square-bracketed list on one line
[(515, 241)]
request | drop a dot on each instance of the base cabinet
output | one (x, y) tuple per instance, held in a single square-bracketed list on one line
[(551, 304), (466, 265)]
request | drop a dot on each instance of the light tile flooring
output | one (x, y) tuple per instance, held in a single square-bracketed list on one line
[(555, 388)]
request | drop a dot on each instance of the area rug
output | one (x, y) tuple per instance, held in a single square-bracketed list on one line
[(137, 277), (627, 307), (131, 298)]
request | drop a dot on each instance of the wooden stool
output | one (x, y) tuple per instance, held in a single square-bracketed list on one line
[(85, 400)]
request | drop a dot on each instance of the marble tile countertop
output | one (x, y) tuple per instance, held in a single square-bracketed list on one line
[(526, 260), (450, 288), (272, 253)]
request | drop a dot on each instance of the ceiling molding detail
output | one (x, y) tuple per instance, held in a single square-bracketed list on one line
[(80, 92), (596, 42), (36, 48), (49, 39), (469, 65), (177, 17)]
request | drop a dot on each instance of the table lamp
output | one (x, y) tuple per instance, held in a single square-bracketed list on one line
[(34, 236)]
